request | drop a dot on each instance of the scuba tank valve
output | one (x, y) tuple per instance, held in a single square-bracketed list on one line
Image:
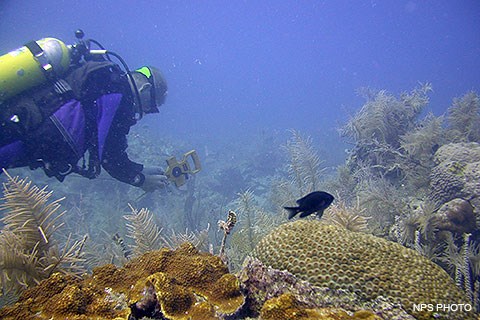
[(82, 49)]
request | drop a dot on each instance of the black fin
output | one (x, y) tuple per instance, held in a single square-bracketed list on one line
[(292, 211), (320, 213)]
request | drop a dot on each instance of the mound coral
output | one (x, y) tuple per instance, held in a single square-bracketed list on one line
[(456, 174), (164, 284), (333, 257)]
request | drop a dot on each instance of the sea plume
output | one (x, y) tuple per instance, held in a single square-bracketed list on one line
[(464, 118), (29, 251), (304, 167), (305, 172), (142, 229), (148, 236), (348, 217)]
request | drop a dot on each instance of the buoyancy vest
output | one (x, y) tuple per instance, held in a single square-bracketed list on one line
[(53, 130)]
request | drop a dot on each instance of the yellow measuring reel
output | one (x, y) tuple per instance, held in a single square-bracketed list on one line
[(178, 171)]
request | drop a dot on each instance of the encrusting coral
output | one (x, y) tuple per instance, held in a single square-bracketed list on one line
[(163, 284), (288, 307), (333, 257)]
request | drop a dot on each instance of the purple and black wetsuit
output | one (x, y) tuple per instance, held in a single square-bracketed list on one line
[(95, 116)]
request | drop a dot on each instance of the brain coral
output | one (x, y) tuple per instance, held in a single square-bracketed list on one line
[(465, 152), (456, 174), (329, 256)]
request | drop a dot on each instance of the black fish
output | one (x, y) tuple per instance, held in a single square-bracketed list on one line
[(316, 201)]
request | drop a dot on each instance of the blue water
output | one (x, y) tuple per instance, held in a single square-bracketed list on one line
[(238, 68), (241, 74)]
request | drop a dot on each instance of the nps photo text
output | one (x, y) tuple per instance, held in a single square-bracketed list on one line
[(443, 307)]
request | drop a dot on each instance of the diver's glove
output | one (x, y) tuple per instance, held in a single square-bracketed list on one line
[(155, 179)]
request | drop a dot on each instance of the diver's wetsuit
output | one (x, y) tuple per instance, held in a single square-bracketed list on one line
[(42, 128)]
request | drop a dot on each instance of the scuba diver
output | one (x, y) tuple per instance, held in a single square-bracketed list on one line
[(69, 109)]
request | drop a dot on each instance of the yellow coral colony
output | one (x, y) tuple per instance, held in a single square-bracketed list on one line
[(187, 283), (330, 256)]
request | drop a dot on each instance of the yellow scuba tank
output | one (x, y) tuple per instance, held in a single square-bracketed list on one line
[(31, 65)]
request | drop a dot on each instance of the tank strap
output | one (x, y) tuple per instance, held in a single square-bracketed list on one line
[(42, 60), (61, 87)]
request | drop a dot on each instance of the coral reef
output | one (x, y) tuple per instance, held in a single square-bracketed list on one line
[(448, 210), (381, 200), (304, 166), (390, 162), (369, 266), (147, 236), (304, 171), (418, 147), (378, 128), (164, 284)]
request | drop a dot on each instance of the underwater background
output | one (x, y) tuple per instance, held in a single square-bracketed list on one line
[(375, 102)]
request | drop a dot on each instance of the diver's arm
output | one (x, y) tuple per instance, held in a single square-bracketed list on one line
[(115, 159), (119, 166), (116, 162)]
